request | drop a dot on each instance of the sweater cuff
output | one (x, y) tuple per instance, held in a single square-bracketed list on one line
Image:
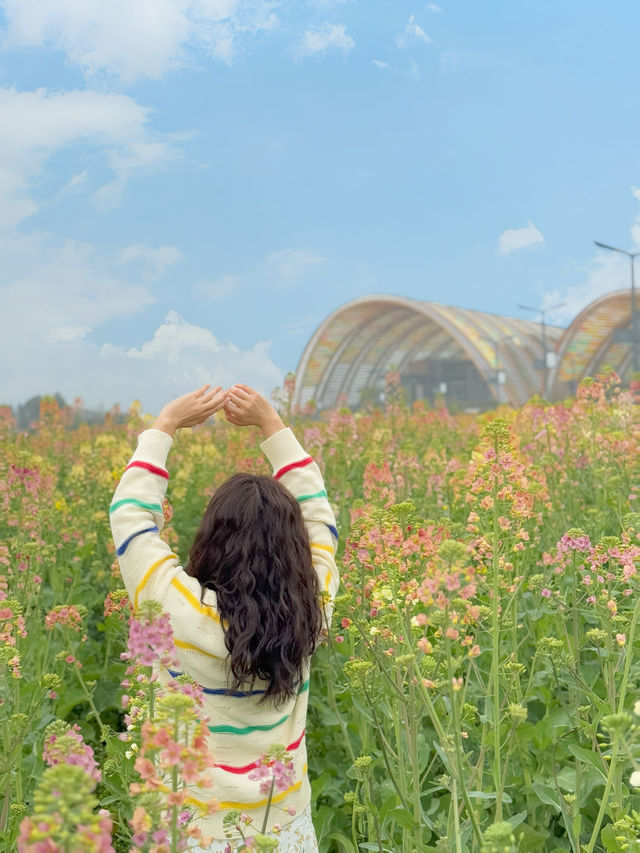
[(282, 447), (154, 446)]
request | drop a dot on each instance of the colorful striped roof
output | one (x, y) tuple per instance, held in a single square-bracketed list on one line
[(356, 345)]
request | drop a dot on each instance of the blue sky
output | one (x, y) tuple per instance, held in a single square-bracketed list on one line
[(188, 187)]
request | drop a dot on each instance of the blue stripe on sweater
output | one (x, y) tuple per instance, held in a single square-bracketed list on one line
[(334, 530), (125, 544), (219, 691), (211, 691)]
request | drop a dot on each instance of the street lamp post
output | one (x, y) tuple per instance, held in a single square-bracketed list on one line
[(543, 335), (620, 334), (499, 374)]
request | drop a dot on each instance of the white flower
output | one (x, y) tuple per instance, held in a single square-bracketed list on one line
[(634, 779), (636, 708)]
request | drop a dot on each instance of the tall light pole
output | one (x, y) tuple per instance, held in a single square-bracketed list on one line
[(545, 350), (499, 375), (620, 334)]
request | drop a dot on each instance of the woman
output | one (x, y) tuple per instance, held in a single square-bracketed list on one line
[(246, 613)]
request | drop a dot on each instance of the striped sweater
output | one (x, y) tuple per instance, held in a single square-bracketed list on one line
[(240, 728)]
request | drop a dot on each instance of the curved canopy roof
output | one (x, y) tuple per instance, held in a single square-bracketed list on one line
[(596, 338), (359, 343)]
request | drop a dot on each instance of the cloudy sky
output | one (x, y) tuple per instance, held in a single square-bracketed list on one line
[(188, 187)]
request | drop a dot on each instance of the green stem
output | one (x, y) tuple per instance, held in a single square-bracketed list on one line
[(459, 760), (174, 788), (385, 757), (89, 699), (616, 742), (495, 660), (456, 817), (605, 797), (266, 814)]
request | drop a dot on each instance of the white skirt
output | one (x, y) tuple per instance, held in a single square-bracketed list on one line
[(299, 836)]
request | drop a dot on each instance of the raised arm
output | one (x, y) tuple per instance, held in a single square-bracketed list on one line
[(147, 564), (298, 472)]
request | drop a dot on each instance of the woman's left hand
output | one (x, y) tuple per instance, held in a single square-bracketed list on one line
[(191, 409)]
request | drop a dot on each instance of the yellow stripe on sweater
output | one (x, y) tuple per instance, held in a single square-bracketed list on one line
[(183, 644), (193, 601), (258, 805), (147, 575), (327, 580), (328, 548)]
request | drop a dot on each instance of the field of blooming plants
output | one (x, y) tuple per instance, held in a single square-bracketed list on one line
[(479, 689)]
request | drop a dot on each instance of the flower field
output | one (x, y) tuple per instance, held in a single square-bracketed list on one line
[(479, 689)]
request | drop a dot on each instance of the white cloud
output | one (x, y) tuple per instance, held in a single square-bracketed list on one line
[(288, 266), (218, 289), (49, 285), (145, 38), (519, 238), (67, 333), (412, 34), (320, 38), (182, 356), (285, 268), (153, 261), (56, 299), (299, 327), (433, 7), (53, 295), (606, 272), (380, 64), (37, 124)]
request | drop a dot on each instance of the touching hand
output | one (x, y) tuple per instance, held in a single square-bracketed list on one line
[(245, 407), (191, 409)]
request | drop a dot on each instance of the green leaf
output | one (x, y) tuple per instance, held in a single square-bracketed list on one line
[(588, 757), (403, 817), (516, 819), (341, 838), (608, 838), (547, 795)]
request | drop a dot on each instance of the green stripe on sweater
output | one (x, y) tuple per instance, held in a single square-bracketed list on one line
[(231, 730), (143, 504), (320, 494)]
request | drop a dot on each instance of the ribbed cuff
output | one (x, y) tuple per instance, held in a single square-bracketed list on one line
[(282, 447), (154, 446)]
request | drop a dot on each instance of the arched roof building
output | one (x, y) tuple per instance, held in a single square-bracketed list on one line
[(600, 336), (476, 359)]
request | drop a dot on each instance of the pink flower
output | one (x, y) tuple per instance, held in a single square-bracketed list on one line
[(150, 640), (545, 593), (68, 747)]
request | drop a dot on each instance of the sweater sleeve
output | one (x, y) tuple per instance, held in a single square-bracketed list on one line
[(301, 476), (137, 518)]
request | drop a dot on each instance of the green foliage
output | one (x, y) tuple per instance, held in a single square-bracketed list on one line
[(477, 691)]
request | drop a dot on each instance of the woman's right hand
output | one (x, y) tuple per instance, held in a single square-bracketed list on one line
[(245, 407)]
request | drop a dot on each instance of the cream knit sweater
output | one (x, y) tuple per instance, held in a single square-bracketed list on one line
[(240, 728)]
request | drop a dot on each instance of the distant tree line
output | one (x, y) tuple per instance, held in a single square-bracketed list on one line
[(26, 414)]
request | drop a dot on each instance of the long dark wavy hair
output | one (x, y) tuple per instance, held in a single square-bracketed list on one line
[(252, 549)]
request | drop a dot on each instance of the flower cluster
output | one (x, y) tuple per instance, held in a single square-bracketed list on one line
[(64, 815), (150, 637), (275, 770), (117, 604), (173, 758), (66, 615), (63, 744)]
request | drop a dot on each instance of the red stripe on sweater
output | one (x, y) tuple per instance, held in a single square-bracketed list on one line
[(230, 769), (148, 467), (291, 466)]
